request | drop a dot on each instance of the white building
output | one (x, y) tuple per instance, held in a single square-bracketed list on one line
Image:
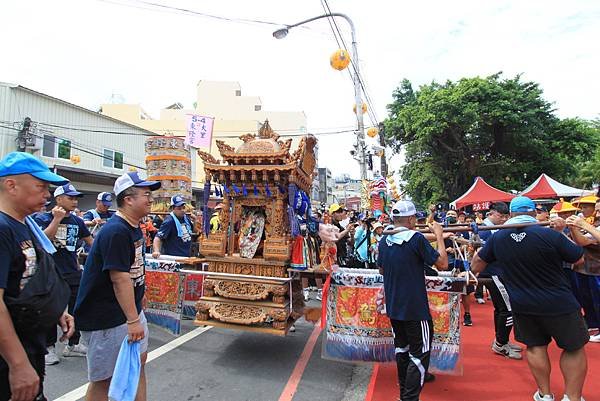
[(88, 148)]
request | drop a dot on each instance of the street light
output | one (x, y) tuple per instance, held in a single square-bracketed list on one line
[(360, 131)]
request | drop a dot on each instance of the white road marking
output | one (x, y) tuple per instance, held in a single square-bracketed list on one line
[(79, 392)]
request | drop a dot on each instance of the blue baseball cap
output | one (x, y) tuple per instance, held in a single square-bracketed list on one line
[(67, 189), (105, 198), (132, 179), (177, 201), (16, 163), (522, 204)]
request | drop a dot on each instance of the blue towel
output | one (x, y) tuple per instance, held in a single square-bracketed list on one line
[(40, 236), (522, 219), (178, 224), (126, 376)]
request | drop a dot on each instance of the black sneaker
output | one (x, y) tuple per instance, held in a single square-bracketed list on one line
[(467, 320), (429, 377)]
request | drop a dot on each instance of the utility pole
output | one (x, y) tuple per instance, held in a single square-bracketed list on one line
[(22, 135), (384, 166)]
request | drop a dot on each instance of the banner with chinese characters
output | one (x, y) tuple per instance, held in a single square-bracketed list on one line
[(164, 292), (199, 130), (193, 292), (356, 332)]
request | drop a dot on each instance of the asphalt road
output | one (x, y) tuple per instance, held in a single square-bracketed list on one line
[(229, 365)]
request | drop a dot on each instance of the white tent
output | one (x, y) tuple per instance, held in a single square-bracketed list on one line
[(547, 187)]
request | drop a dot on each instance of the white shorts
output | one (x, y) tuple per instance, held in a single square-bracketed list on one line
[(103, 349)]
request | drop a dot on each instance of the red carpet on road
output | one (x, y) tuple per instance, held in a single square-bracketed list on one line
[(487, 376)]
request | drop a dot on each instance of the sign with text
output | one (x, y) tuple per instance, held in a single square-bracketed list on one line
[(481, 206), (199, 130)]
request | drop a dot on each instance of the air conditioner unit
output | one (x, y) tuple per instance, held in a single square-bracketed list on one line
[(34, 142)]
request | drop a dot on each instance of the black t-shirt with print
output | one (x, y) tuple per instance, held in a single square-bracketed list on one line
[(70, 230), (119, 246), (342, 245), (18, 262)]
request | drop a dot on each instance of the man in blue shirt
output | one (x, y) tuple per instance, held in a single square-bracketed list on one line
[(109, 303), (543, 306), (96, 218), (23, 190), (503, 318), (65, 230), (175, 234), (403, 253)]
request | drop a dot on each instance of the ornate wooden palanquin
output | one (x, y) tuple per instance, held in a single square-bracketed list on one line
[(251, 297)]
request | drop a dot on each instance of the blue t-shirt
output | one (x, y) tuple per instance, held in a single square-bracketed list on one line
[(172, 244), (404, 277), (494, 268), (18, 262), (104, 216), (531, 261), (120, 247), (70, 230)]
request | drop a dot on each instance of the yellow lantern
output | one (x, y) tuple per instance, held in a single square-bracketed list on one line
[(372, 132), (75, 159), (339, 60), (391, 181), (364, 108)]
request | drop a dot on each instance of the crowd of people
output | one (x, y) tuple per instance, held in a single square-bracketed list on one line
[(538, 278)]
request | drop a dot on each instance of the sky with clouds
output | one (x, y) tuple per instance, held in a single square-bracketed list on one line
[(84, 51)]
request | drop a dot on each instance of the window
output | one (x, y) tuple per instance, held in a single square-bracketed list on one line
[(257, 107), (49, 146), (64, 149), (112, 159), (56, 147)]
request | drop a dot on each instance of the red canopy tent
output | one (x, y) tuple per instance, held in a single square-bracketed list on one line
[(480, 195), (546, 187)]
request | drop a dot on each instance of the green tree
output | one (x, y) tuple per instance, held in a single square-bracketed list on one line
[(497, 128)]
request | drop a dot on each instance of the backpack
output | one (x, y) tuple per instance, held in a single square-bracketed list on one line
[(43, 300)]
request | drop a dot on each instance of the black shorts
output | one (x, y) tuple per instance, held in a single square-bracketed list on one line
[(569, 330)]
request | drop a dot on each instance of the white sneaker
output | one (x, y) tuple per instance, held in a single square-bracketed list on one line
[(595, 338), (75, 350), (51, 358), (320, 295), (538, 397), (508, 352), (480, 301), (565, 398), (306, 295), (515, 347), (292, 328)]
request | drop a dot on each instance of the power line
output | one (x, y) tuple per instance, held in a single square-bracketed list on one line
[(147, 5)]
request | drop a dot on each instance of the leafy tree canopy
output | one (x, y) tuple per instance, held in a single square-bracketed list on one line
[(500, 129)]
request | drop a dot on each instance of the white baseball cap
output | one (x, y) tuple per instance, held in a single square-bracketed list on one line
[(404, 208), (132, 179)]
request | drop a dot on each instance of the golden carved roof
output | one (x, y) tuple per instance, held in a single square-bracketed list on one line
[(263, 146)]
